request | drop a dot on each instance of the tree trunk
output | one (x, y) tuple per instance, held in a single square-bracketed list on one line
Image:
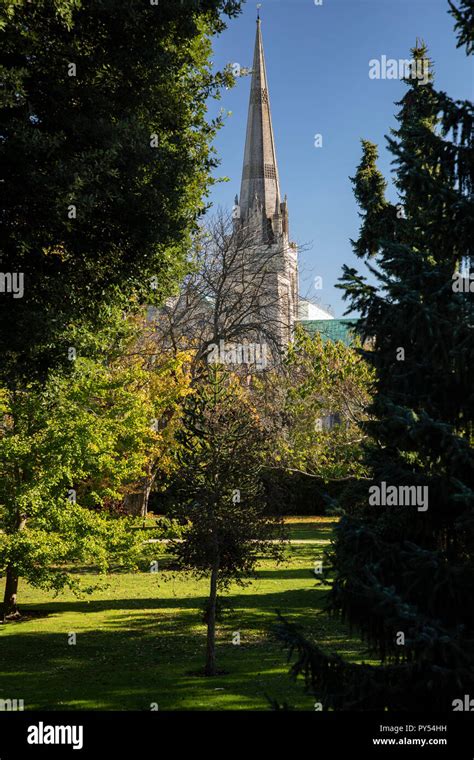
[(210, 669), (136, 503), (9, 606), (11, 591)]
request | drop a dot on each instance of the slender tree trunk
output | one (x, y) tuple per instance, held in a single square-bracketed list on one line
[(11, 591), (9, 606), (210, 669)]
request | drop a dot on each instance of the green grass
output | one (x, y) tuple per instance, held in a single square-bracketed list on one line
[(141, 640)]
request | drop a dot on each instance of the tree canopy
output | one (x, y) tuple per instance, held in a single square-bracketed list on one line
[(105, 145)]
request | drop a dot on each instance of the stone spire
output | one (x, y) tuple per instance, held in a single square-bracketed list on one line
[(260, 171)]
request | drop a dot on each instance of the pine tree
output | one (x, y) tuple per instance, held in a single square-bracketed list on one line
[(403, 575)]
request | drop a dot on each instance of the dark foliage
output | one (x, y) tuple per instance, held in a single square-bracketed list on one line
[(403, 576)]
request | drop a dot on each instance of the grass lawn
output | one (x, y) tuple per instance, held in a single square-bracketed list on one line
[(140, 640)]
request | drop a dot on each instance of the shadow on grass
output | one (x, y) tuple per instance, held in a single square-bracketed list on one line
[(290, 599), (146, 648), (312, 531), (304, 573)]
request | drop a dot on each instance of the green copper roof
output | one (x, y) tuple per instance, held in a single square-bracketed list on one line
[(331, 329)]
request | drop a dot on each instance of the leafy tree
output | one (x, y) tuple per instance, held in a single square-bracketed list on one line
[(70, 453), (106, 151), (315, 404), (167, 379), (404, 577), (220, 497)]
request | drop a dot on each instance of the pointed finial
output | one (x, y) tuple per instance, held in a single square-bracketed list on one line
[(259, 5)]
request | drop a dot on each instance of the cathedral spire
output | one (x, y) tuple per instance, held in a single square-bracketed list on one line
[(260, 171)]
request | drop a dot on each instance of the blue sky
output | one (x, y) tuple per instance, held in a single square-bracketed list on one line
[(317, 61)]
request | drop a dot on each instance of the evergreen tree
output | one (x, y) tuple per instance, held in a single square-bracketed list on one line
[(403, 575)]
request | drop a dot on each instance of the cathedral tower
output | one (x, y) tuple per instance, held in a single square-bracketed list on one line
[(260, 209)]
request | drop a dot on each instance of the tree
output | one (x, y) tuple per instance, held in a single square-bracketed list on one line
[(403, 575), (464, 15), (106, 150), (220, 497), (167, 380), (68, 453), (315, 405), (225, 299)]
